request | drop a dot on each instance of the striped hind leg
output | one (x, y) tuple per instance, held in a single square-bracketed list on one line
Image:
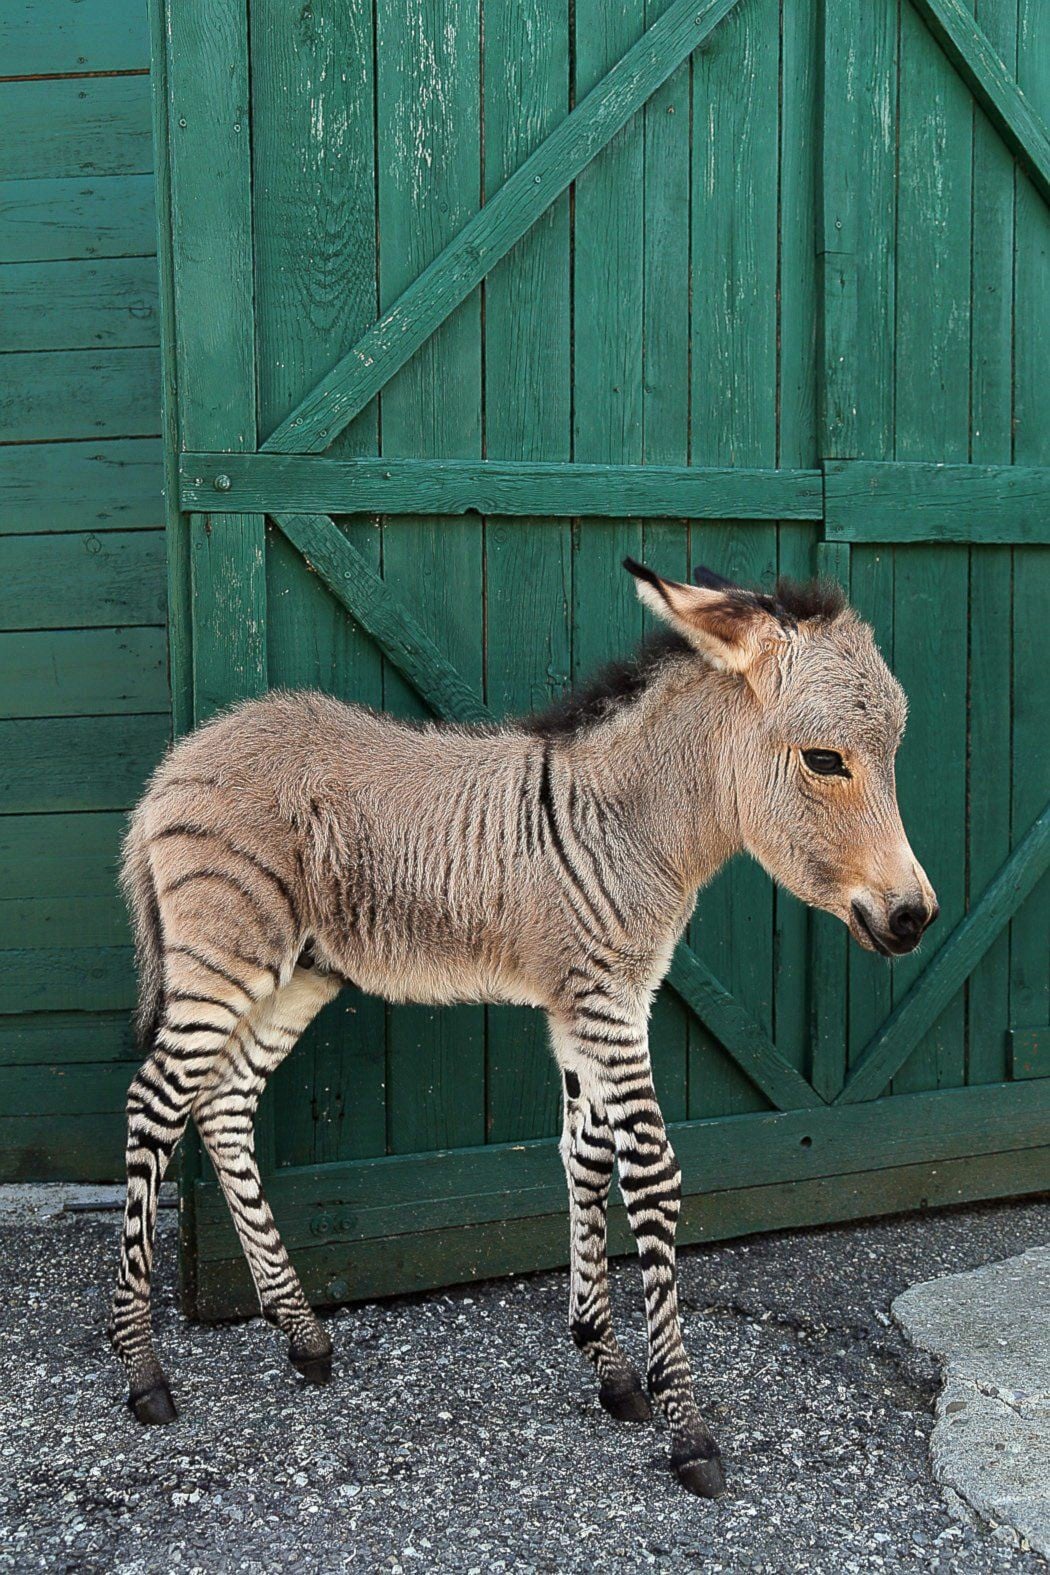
[(196, 1022), (225, 1115), (588, 1154)]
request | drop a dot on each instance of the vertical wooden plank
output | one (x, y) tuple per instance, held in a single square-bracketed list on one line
[(315, 294), (932, 422), (1029, 954), (205, 72), (528, 562), (665, 427), (734, 378), (608, 317), (858, 237), (428, 151), (797, 433), (991, 442)]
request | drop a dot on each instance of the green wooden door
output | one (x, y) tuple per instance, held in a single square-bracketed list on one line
[(463, 308)]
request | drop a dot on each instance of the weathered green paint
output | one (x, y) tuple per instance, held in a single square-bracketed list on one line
[(75, 126), (880, 501), (793, 317), (277, 482), (449, 278), (84, 708), (358, 1230), (74, 305), (61, 218), (670, 372), (969, 49)]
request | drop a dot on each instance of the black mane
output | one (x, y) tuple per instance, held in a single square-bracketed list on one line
[(620, 683), (609, 689), (802, 599)]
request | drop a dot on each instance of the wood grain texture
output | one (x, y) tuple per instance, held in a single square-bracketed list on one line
[(75, 127), (991, 568), (509, 487), (972, 54), (53, 1038), (78, 763), (113, 484), (79, 394), (82, 580), (77, 305), (51, 218), (932, 419), (1030, 777), (487, 236), (83, 672), (45, 37), (893, 502)]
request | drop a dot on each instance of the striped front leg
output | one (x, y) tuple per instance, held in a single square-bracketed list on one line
[(651, 1184), (588, 1154)]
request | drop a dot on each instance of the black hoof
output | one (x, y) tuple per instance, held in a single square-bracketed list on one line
[(314, 1369), (705, 1478), (626, 1404), (154, 1407)]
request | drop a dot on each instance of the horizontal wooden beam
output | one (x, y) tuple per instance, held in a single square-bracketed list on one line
[(881, 501), (956, 960), (358, 1200), (293, 483), (491, 233), (968, 48), (334, 1273)]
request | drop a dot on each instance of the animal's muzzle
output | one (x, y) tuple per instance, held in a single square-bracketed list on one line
[(906, 924)]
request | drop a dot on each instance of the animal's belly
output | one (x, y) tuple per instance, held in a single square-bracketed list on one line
[(428, 982)]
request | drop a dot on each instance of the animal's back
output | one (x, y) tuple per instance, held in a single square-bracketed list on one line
[(392, 843)]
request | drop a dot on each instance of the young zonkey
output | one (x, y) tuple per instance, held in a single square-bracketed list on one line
[(295, 843)]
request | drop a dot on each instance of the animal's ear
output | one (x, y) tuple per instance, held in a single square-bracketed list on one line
[(711, 580), (725, 624)]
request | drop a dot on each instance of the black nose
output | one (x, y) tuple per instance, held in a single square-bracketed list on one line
[(909, 920)]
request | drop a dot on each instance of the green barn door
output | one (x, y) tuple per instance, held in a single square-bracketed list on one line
[(463, 308)]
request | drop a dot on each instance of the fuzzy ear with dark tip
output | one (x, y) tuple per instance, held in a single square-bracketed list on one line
[(725, 624)]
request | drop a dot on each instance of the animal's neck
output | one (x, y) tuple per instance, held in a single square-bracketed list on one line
[(667, 762)]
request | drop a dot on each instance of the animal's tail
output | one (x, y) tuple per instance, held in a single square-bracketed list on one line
[(140, 893)]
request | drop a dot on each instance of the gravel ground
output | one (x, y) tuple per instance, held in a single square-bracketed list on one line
[(462, 1431)]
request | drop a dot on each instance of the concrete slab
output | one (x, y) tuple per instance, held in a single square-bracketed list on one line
[(991, 1441)]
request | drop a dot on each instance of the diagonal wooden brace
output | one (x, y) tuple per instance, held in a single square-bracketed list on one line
[(491, 233), (370, 603)]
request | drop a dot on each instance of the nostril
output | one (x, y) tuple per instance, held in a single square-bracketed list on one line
[(907, 921)]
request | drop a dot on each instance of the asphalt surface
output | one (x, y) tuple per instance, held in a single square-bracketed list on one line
[(462, 1431)]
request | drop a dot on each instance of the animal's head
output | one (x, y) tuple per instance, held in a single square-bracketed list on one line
[(813, 720)]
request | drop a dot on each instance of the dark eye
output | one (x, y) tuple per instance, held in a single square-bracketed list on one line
[(825, 762)]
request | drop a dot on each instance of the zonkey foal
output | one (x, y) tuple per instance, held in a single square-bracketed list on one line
[(296, 843)]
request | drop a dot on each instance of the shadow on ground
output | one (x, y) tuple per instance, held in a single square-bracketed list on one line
[(462, 1432)]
